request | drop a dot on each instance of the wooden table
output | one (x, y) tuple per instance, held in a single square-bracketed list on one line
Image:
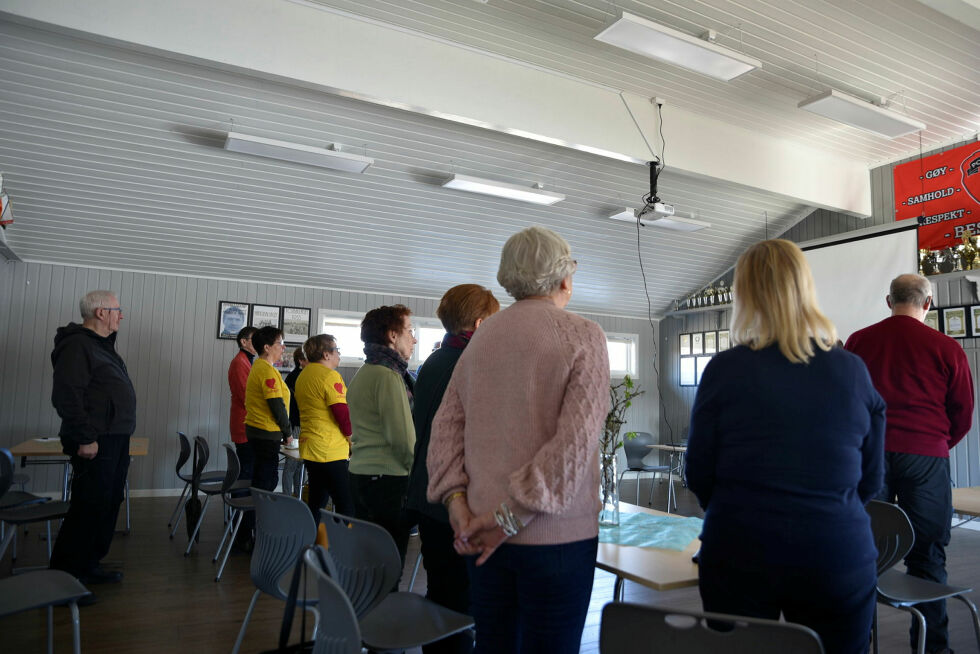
[(966, 501), (675, 452), (47, 451), (654, 568)]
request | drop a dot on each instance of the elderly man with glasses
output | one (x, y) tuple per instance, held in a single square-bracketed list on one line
[(96, 401)]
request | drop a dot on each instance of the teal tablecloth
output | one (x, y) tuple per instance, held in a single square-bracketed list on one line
[(644, 530)]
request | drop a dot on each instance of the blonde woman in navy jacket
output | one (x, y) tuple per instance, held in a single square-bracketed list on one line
[(786, 447)]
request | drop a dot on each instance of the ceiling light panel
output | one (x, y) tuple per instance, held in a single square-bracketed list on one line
[(664, 43), (861, 114), (502, 190), (297, 153)]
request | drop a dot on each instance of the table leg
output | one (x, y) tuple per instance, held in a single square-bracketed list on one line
[(64, 482), (618, 589)]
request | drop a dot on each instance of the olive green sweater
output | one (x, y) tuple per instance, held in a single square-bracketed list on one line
[(383, 439)]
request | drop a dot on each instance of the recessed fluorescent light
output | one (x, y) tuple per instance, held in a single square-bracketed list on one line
[(297, 153), (500, 189), (650, 39), (675, 223), (861, 114)]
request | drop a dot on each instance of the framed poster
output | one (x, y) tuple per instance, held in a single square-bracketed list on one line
[(285, 362), (697, 343), (232, 316), (724, 340), (710, 342), (264, 315), (932, 319), (687, 372), (975, 321), (685, 344), (295, 325), (954, 322), (702, 364)]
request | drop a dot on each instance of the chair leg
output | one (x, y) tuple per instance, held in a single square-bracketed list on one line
[(180, 514), (47, 523), (973, 611), (224, 536), (415, 571), (9, 536), (920, 646), (50, 629), (76, 629), (197, 527), (234, 533), (180, 503), (248, 616)]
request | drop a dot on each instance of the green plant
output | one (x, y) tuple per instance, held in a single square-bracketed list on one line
[(621, 397)]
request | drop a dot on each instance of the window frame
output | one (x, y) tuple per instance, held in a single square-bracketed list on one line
[(632, 355)]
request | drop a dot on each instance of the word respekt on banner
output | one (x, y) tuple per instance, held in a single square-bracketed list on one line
[(943, 192)]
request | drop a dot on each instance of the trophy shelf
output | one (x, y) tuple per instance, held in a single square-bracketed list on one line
[(714, 307)]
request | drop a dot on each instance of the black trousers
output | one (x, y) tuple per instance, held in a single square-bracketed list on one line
[(448, 580), (379, 499), (265, 472), (97, 490), (921, 486), (329, 479)]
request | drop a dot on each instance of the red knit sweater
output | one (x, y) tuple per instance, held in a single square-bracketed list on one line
[(925, 380)]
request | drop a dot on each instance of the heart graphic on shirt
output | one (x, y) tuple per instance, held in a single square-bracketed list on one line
[(339, 388), (271, 383)]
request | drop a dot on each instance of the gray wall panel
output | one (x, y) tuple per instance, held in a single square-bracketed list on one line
[(178, 366)]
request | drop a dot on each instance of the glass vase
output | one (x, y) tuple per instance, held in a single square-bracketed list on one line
[(608, 490)]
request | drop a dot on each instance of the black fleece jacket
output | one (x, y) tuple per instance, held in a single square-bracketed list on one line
[(92, 391)]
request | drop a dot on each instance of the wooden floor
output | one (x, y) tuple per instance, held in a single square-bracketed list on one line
[(168, 603)]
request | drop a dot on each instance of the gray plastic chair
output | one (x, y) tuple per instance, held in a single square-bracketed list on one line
[(337, 630), (364, 561), (44, 588), (26, 512), (283, 526), (636, 449), (671, 631), (182, 457), (894, 537), (238, 506), (227, 482)]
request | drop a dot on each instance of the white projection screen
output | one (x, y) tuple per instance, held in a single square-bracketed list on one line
[(852, 273)]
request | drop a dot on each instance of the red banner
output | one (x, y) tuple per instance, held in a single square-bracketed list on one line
[(943, 192)]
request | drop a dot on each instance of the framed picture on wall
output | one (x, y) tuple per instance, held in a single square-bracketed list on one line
[(724, 340), (295, 325), (932, 319), (954, 322), (285, 362), (688, 377), (697, 343), (264, 315), (710, 342), (232, 316), (685, 345), (975, 321)]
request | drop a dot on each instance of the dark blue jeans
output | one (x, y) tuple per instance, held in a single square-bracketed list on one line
[(530, 599), (921, 486)]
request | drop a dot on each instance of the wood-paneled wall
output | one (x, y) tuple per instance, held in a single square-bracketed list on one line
[(168, 341)]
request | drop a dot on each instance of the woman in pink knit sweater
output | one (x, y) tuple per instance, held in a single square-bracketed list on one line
[(513, 455)]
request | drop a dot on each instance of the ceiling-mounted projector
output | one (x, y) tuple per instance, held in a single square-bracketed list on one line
[(655, 209)]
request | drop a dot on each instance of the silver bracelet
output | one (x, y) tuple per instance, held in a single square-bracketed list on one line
[(507, 521)]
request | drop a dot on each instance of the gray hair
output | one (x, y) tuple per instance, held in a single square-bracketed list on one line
[(533, 262), (910, 289), (94, 300)]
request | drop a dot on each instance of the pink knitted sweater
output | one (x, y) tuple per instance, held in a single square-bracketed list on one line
[(520, 422)]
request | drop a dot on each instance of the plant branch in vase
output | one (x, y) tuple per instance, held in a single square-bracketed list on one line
[(621, 396)]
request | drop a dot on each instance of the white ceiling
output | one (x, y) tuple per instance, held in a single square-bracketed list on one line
[(113, 157)]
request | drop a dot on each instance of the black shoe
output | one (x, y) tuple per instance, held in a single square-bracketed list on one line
[(99, 575), (88, 600)]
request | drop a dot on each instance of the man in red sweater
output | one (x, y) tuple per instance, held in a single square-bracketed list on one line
[(238, 371), (925, 379)]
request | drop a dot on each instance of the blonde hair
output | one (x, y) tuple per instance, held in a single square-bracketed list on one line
[(775, 302), (533, 262)]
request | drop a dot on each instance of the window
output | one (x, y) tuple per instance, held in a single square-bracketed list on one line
[(622, 354), (345, 326), (428, 332)]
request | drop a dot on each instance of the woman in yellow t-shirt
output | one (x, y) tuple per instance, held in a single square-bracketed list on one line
[(266, 408), (324, 438)]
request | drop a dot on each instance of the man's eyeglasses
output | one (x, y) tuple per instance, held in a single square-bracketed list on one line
[(111, 308)]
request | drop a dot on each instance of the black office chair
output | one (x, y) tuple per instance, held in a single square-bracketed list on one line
[(636, 449), (671, 631), (25, 510), (894, 537)]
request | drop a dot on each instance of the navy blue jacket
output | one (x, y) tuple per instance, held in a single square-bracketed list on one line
[(784, 456), (92, 391)]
